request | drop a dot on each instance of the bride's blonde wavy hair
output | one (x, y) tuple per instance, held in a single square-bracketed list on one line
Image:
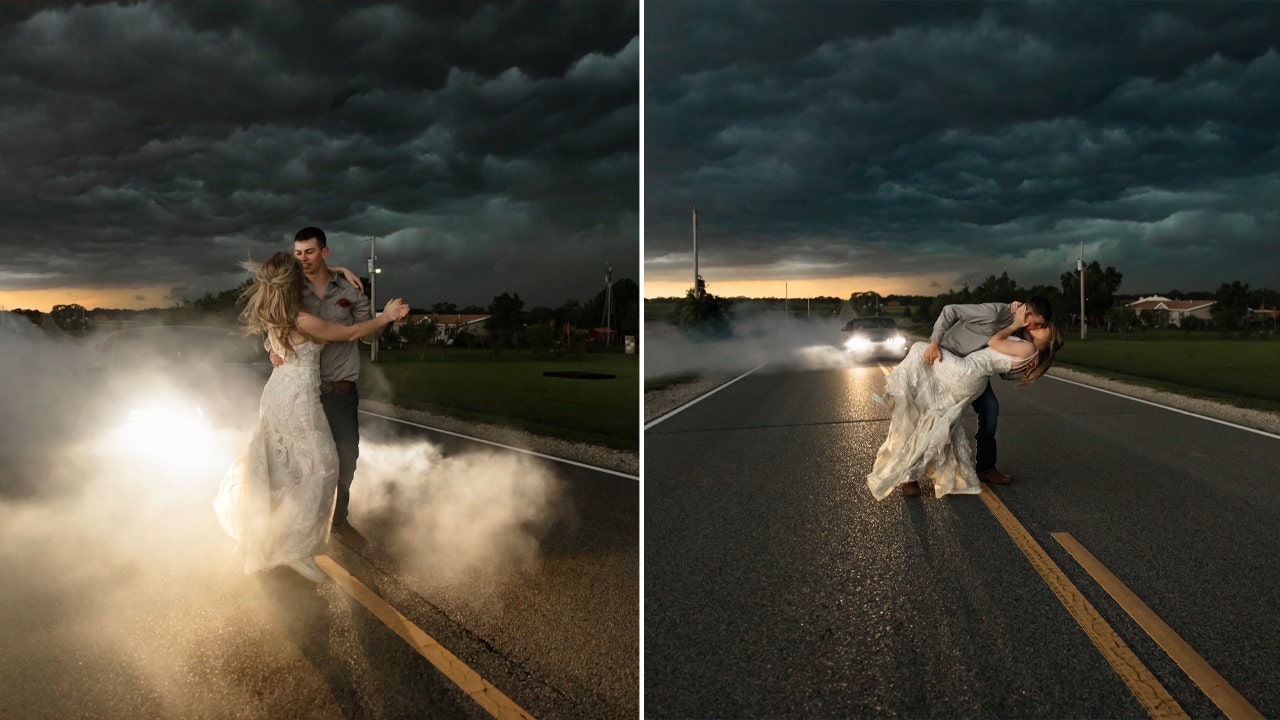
[(273, 300), (1038, 364)]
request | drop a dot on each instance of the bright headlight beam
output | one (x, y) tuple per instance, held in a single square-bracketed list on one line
[(173, 433)]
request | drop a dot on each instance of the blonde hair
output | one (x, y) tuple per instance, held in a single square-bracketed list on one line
[(274, 298), (1038, 364)]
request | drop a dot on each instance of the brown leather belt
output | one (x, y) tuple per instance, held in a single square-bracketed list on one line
[(336, 386)]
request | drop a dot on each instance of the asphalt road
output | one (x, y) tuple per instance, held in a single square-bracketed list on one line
[(121, 599), (775, 585)]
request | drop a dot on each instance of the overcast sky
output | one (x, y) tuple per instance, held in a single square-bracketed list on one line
[(146, 148), (913, 148)]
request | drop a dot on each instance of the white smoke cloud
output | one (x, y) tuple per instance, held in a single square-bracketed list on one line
[(453, 517), (759, 337), (111, 551)]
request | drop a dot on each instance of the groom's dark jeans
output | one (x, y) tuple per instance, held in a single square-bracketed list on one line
[(341, 408), (988, 409)]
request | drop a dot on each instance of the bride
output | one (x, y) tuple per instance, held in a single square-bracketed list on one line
[(277, 499), (926, 401)]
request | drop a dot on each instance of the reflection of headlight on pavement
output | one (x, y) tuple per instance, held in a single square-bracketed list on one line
[(175, 434)]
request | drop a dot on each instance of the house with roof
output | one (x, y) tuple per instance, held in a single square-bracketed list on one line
[(449, 325), (1178, 310)]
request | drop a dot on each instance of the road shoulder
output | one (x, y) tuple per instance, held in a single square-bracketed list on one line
[(594, 455), (1256, 419), (660, 402)]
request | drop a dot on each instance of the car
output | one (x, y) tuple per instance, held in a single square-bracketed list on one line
[(168, 390), (875, 337)]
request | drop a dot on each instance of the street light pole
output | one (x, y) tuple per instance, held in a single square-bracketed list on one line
[(1080, 267), (373, 285)]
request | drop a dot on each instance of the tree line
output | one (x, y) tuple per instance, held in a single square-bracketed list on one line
[(704, 314), (509, 323)]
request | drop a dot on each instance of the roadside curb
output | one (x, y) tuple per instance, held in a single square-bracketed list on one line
[(1256, 419)]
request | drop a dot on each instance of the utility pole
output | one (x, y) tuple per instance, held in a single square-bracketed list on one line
[(608, 306), (1080, 266), (697, 288)]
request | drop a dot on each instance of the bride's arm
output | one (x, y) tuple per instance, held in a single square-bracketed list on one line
[(1002, 342), (350, 276), (333, 332)]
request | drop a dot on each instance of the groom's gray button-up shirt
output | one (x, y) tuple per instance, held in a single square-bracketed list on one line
[(963, 329), (344, 305)]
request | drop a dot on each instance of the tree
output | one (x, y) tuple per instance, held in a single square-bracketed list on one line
[(1230, 305), (1154, 318), (865, 302), (70, 318), (996, 289), (574, 313), (35, 316), (539, 315), (626, 309), (1122, 317), (703, 314), (224, 303), (421, 334), (1062, 309), (505, 319), (1099, 288), (541, 336)]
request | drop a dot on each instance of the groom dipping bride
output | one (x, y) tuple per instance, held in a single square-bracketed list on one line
[(930, 388)]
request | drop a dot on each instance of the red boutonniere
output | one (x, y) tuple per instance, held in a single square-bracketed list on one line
[(343, 302)]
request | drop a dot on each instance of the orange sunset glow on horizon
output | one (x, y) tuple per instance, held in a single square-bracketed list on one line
[(137, 298), (822, 287)]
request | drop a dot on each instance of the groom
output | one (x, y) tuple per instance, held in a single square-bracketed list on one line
[(963, 329), (329, 295)]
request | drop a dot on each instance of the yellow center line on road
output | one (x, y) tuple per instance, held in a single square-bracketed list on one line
[(1142, 683), (1232, 703), (480, 690)]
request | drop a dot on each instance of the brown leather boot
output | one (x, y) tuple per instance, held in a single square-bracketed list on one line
[(995, 477)]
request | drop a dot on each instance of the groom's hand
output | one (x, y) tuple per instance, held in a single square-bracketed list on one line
[(932, 353)]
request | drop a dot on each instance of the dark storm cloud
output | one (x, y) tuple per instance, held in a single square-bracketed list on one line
[(492, 147), (827, 139)]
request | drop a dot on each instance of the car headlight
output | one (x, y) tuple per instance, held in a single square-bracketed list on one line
[(859, 343), (176, 433)]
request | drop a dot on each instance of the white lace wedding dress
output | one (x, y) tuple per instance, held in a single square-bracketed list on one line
[(925, 436), (277, 499)]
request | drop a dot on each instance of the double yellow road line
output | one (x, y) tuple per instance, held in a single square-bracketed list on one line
[(1144, 685), (1140, 680)]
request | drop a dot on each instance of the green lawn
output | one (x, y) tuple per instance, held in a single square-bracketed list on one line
[(510, 389), (1244, 371)]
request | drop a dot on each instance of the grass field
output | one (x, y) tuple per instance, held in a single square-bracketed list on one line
[(1243, 371), (509, 389)]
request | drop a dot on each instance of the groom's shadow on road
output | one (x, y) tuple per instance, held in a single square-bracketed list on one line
[(372, 672), (916, 516)]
